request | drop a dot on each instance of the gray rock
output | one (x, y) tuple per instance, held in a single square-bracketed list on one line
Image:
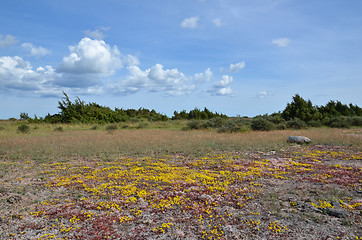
[(339, 213), (298, 139)]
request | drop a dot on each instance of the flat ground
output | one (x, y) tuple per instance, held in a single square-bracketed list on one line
[(172, 184)]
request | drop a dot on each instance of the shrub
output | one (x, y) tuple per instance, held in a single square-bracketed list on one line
[(281, 126), (215, 122), (340, 122), (356, 121), (59, 129), (314, 123), (112, 127), (23, 128), (194, 124), (296, 123), (229, 126), (142, 125), (261, 124)]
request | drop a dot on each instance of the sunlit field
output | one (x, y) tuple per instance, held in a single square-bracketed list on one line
[(159, 182)]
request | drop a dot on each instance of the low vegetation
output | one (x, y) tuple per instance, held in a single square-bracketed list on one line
[(299, 114)]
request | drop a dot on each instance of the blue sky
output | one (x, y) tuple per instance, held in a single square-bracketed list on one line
[(237, 57)]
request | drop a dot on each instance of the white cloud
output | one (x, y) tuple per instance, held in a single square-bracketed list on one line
[(217, 22), (94, 57), (190, 23), (204, 77), (281, 42), (17, 74), (154, 79), (263, 94), (35, 51), (8, 40), (97, 33), (221, 88), (236, 67)]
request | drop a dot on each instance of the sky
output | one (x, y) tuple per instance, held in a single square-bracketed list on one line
[(236, 57)]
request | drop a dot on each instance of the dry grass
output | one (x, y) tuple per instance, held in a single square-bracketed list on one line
[(47, 144)]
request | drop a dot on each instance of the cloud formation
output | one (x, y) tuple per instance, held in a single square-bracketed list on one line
[(98, 33), (8, 40), (17, 74), (35, 51), (263, 94), (221, 88), (204, 77), (236, 67), (155, 79), (190, 23), (94, 57), (281, 42), (217, 22)]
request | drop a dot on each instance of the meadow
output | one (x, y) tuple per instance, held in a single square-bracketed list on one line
[(157, 181)]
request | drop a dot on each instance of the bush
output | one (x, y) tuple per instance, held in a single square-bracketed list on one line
[(215, 122), (356, 121), (142, 125), (112, 127), (340, 122), (281, 126), (194, 124), (59, 129), (314, 123), (296, 123), (23, 128), (261, 124)]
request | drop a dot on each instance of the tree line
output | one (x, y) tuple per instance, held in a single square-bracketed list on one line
[(298, 113)]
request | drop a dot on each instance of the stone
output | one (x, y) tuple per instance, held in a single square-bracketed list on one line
[(339, 213), (298, 139)]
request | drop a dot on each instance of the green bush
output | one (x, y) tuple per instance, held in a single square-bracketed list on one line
[(296, 123), (281, 126), (340, 122), (261, 124), (314, 123), (194, 124), (215, 122), (23, 128), (356, 121), (112, 127), (59, 129), (142, 125)]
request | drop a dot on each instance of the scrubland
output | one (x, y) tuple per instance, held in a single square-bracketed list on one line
[(160, 182)]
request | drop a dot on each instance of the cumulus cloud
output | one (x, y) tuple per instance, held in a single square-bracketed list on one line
[(190, 23), (8, 40), (204, 77), (281, 42), (236, 67), (98, 33), (17, 74), (217, 22), (263, 94), (155, 79), (221, 88), (35, 51), (94, 57)]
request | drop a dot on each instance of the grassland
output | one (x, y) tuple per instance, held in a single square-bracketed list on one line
[(155, 181)]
